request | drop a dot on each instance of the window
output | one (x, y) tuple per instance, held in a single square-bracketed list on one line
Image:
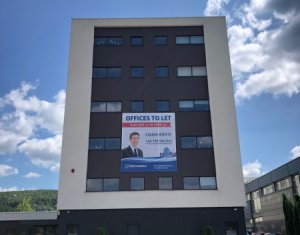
[(191, 71), (204, 142), (72, 229), (283, 184), (185, 40), (104, 143), (191, 183), (199, 142), (188, 142), (160, 40), (193, 105), (94, 185), (208, 183), (103, 106), (137, 184), (137, 41), (163, 106), (256, 201), (161, 71), (133, 229), (137, 106), (107, 72), (165, 183), (111, 184), (108, 41), (269, 189), (137, 72)]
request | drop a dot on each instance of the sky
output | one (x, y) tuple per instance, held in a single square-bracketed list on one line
[(264, 43)]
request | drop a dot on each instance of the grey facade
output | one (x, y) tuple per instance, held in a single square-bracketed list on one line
[(264, 210)]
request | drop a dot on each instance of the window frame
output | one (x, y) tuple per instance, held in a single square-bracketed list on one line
[(137, 178), (194, 109), (137, 67), (107, 41), (136, 37), (160, 44), (160, 67), (165, 177), (106, 106), (104, 140), (196, 143), (136, 101), (191, 71), (107, 72), (163, 111), (189, 39)]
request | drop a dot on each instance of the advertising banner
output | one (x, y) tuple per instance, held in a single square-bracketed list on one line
[(148, 142)]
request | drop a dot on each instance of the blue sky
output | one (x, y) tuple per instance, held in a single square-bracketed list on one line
[(264, 41)]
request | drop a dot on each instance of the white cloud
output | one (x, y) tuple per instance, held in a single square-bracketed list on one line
[(9, 189), (23, 116), (215, 7), (32, 175), (43, 152), (295, 152), (252, 169), (6, 170)]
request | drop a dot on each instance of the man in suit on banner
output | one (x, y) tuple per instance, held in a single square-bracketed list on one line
[(132, 150)]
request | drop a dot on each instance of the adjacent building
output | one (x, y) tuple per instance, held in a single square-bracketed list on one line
[(264, 211)]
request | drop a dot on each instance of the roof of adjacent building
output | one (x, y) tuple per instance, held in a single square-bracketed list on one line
[(290, 168)]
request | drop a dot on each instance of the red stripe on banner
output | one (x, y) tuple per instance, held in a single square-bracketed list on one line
[(146, 124)]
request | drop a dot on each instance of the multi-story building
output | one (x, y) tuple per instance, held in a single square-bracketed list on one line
[(264, 211), (150, 142)]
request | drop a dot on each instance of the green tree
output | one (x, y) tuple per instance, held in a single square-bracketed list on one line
[(207, 230), (288, 210), (296, 217), (25, 204), (102, 231)]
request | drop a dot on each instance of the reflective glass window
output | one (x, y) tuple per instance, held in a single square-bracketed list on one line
[(182, 40), (201, 105), (188, 142), (163, 106), (133, 229), (112, 143), (101, 41), (137, 72), (98, 107), (115, 41), (114, 106), (186, 105), (160, 40), (204, 142), (199, 71), (196, 40), (165, 183), (137, 106), (137, 184), (208, 182), (162, 71), (94, 185), (136, 41), (111, 184), (191, 183), (99, 72), (114, 72), (184, 71), (96, 144)]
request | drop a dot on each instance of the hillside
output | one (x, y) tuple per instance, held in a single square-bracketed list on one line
[(41, 200)]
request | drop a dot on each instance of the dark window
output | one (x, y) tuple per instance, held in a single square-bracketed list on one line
[(112, 143), (137, 72), (108, 41), (102, 107), (96, 144), (188, 142), (111, 184), (193, 105), (106, 72), (72, 229), (208, 183), (189, 40), (191, 183), (165, 183), (160, 40), (137, 184), (204, 142), (163, 106), (94, 185), (133, 229), (161, 71), (136, 41), (137, 106)]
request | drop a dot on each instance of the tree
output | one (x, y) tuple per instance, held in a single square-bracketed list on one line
[(296, 217), (288, 210), (102, 231), (25, 204), (207, 230)]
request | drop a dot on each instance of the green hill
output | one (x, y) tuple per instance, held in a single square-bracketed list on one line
[(41, 200)]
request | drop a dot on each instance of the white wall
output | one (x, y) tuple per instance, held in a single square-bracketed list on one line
[(72, 186)]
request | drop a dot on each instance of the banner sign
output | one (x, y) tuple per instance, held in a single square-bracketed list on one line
[(148, 142)]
